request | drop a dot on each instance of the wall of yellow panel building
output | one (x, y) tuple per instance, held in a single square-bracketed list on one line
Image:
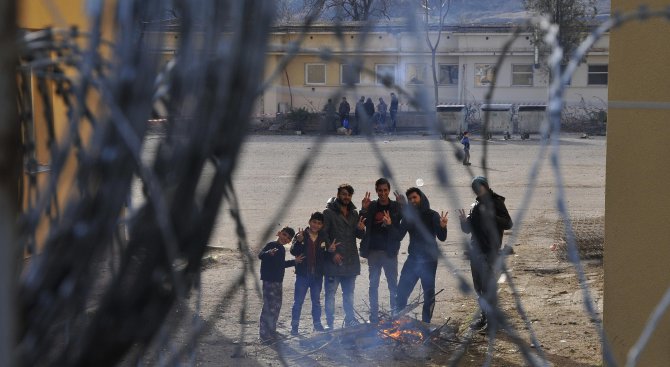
[(637, 204), (35, 15)]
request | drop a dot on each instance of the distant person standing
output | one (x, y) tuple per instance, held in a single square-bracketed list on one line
[(369, 107), (343, 111), (393, 111), (359, 113), (381, 110), (487, 220), (329, 110), (466, 148)]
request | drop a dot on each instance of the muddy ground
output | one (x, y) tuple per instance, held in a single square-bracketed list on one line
[(547, 288)]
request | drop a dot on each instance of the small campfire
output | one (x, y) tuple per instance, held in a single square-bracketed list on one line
[(405, 330)]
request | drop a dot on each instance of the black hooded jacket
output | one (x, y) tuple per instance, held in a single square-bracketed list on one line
[(422, 244), (487, 221)]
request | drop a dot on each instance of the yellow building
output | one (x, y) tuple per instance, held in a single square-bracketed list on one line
[(324, 65)]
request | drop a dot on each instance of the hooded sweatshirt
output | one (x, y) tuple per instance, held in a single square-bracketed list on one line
[(487, 221), (422, 244), (345, 231)]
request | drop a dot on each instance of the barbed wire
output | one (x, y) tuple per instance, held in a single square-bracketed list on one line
[(160, 262)]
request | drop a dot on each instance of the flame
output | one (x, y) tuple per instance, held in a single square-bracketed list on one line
[(403, 330)]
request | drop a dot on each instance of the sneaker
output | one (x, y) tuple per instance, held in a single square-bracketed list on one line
[(484, 329), (479, 323), (294, 331), (318, 327), (352, 322)]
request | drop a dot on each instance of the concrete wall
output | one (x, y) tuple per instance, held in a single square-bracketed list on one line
[(637, 204)]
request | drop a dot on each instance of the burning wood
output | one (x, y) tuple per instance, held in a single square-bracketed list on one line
[(405, 330)]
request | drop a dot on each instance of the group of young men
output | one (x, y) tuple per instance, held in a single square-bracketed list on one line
[(327, 255)]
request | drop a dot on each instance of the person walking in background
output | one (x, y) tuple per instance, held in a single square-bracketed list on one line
[(393, 111), (379, 245), (423, 227), (487, 220), (466, 148), (342, 224), (381, 111), (273, 263)]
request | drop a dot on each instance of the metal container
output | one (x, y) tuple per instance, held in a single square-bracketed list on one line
[(530, 119), (451, 119), (500, 118)]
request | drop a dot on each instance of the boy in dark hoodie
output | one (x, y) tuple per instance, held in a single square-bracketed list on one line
[(487, 220), (423, 225), (312, 244), (273, 264)]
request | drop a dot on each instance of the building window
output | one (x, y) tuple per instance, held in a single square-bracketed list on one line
[(416, 73), (522, 75), (315, 73), (385, 74), (349, 74), (484, 74), (448, 74), (597, 74)]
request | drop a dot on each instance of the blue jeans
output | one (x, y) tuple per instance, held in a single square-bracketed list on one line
[(378, 260), (348, 284), (412, 271), (302, 283)]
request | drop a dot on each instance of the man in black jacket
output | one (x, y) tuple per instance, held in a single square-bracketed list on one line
[(423, 227), (342, 224), (487, 221), (378, 244)]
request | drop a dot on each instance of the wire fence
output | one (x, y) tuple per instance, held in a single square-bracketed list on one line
[(71, 313)]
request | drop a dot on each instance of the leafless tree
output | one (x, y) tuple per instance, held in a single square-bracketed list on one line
[(435, 13), (356, 10), (573, 18)]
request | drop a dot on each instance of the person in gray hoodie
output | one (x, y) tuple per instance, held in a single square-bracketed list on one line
[(423, 225), (343, 225)]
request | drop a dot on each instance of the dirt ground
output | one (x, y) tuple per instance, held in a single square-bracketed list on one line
[(548, 289)]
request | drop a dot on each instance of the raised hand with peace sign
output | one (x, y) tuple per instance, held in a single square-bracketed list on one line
[(400, 198), (386, 219), (443, 219), (361, 223), (365, 203)]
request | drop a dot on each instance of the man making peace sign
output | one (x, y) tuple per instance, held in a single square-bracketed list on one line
[(379, 246), (423, 226), (342, 224)]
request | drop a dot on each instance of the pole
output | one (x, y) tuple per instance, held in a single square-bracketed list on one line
[(10, 169)]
